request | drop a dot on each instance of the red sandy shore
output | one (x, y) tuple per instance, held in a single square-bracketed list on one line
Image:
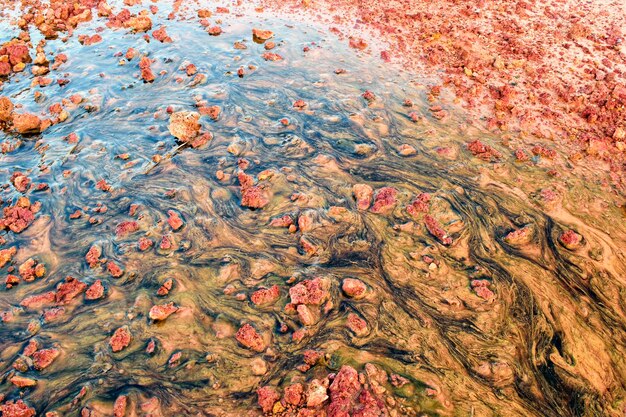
[(553, 69)]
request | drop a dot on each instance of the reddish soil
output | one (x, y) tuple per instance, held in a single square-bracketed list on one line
[(553, 69)]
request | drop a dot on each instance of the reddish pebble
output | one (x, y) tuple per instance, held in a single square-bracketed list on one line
[(267, 397), (44, 358), (354, 288), (95, 291), (570, 239), (114, 269), (266, 296), (384, 200), (93, 256), (163, 311), (248, 337), (121, 339), (174, 220)]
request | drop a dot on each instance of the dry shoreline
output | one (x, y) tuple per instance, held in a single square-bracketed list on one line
[(553, 70)]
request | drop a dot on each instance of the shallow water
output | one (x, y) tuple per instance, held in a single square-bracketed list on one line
[(546, 338)]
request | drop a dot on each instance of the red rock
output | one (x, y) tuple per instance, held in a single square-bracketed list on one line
[(6, 108), (294, 394), (299, 104), (161, 35), (262, 35), (481, 288), (307, 316), (174, 359), (312, 357), (270, 56), (369, 405), (5, 69), (421, 204), (32, 347), (184, 125), (22, 382), (520, 236), (174, 220), (20, 181), (69, 289), (314, 292), (252, 196), (266, 296), (17, 50), (146, 72), (482, 151), (89, 40), (212, 111), (316, 394), (435, 229), (20, 216), (30, 269), (103, 185), (543, 152), (521, 156), (167, 242), (11, 281), (6, 255), (114, 269), (214, 31), (126, 228), (119, 407), (145, 243), (163, 311), (267, 397), (39, 300), (248, 337), (368, 95), (343, 392), (357, 324), (357, 43), (166, 287), (570, 239), (121, 339), (93, 256), (52, 314), (407, 150), (139, 23), (398, 380), (44, 358), (354, 288), (282, 221), (151, 347), (17, 409), (363, 194), (384, 200), (26, 123), (95, 291)]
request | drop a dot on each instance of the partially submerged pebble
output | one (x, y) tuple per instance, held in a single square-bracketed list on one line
[(250, 338), (354, 288), (520, 236), (27, 123), (363, 194), (570, 239), (162, 311), (184, 125), (121, 339), (261, 34)]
